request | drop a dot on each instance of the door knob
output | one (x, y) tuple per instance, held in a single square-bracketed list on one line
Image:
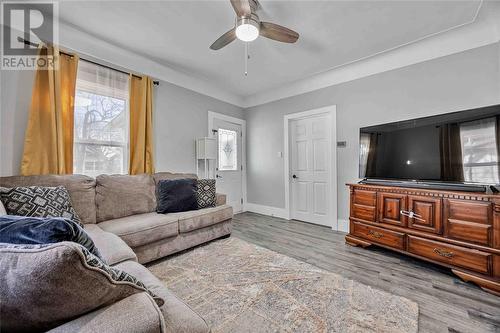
[(217, 176), (295, 177)]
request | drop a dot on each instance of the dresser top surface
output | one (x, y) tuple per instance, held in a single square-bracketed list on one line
[(478, 196)]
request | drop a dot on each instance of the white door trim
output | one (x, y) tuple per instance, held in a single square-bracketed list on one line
[(214, 115), (332, 111)]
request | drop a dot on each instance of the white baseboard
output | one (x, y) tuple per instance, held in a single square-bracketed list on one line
[(266, 210), (343, 225)]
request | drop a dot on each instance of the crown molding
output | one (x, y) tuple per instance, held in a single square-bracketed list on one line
[(85, 44), (481, 31)]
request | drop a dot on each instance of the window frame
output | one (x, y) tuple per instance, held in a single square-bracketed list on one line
[(99, 89)]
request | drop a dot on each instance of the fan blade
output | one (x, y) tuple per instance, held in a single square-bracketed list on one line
[(223, 40), (277, 32), (241, 7)]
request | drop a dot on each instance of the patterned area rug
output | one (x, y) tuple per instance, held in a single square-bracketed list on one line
[(241, 287)]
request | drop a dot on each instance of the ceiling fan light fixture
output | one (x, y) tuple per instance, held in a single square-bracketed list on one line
[(247, 29)]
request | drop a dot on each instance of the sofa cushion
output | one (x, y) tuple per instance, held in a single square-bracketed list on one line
[(61, 281), (38, 201), (183, 241), (2, 209), (112, 248), (170, 175), (220, 199), (43, 230), (123, 195), (141, 229), (137, 313), (176, 195), (197, 219), (179, 317), (81, 190)]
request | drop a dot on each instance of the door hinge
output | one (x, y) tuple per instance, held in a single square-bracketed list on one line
[(242, 201), (241, 167)]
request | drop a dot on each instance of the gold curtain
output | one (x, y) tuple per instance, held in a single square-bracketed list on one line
[(48, 144), (141, 125)]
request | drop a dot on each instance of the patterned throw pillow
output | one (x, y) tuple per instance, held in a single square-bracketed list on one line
[(38, 201), (205, 193), (64, 275)]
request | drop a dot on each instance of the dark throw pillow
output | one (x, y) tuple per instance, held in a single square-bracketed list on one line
[(205, 193), (44, 230), (38, 201), (176, 195)]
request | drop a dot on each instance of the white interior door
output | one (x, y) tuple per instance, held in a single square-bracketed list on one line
[(228, 173), (310, 166)]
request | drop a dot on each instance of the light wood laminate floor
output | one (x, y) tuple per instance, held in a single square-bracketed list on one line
[(446, 303)]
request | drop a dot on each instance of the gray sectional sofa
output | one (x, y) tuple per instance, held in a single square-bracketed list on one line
[(118, 212)]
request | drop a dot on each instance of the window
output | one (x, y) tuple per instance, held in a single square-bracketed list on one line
[(228, 156), (364, 149), (479, 151), (101, 135)]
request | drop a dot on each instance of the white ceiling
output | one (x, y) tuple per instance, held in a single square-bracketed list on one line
[(332, 33)]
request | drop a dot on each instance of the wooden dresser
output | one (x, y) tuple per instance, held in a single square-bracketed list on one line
[(460, 230)]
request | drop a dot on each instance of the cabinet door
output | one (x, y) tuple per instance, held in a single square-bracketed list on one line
[(427, 214), (390, 206)]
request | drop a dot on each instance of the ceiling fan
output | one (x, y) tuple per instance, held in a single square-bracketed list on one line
[(248, 27)]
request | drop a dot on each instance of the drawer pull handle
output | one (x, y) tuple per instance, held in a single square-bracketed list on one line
[(412, 215), (375, 234), (443, 253)]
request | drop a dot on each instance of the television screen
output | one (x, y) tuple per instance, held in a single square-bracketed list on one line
[(459, 147)]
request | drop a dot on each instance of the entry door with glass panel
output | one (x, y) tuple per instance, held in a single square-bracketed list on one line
[(229, 168), (310, 160)]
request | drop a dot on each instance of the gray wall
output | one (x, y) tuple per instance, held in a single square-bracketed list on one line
[(180, 116), (461, 81), (15, 100)]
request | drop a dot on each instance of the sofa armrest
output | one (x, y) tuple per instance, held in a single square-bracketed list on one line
[(113, 249), (136, 313), (220, 199)]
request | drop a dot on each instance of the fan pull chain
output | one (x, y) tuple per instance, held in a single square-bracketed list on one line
[(247, 56)]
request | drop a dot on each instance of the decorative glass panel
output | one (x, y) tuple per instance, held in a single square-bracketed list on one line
[(101, 121), (479, 151), (228, 155)]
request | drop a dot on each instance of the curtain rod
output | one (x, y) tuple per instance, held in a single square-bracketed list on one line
[(27, 42)]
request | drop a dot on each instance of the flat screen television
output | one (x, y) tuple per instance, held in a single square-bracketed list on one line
[(455, 148)]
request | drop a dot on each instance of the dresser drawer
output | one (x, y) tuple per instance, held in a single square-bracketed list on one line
[(363, 205), (450, 254), (365, 198), (468, 221), (379, 235), (361, 212)]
